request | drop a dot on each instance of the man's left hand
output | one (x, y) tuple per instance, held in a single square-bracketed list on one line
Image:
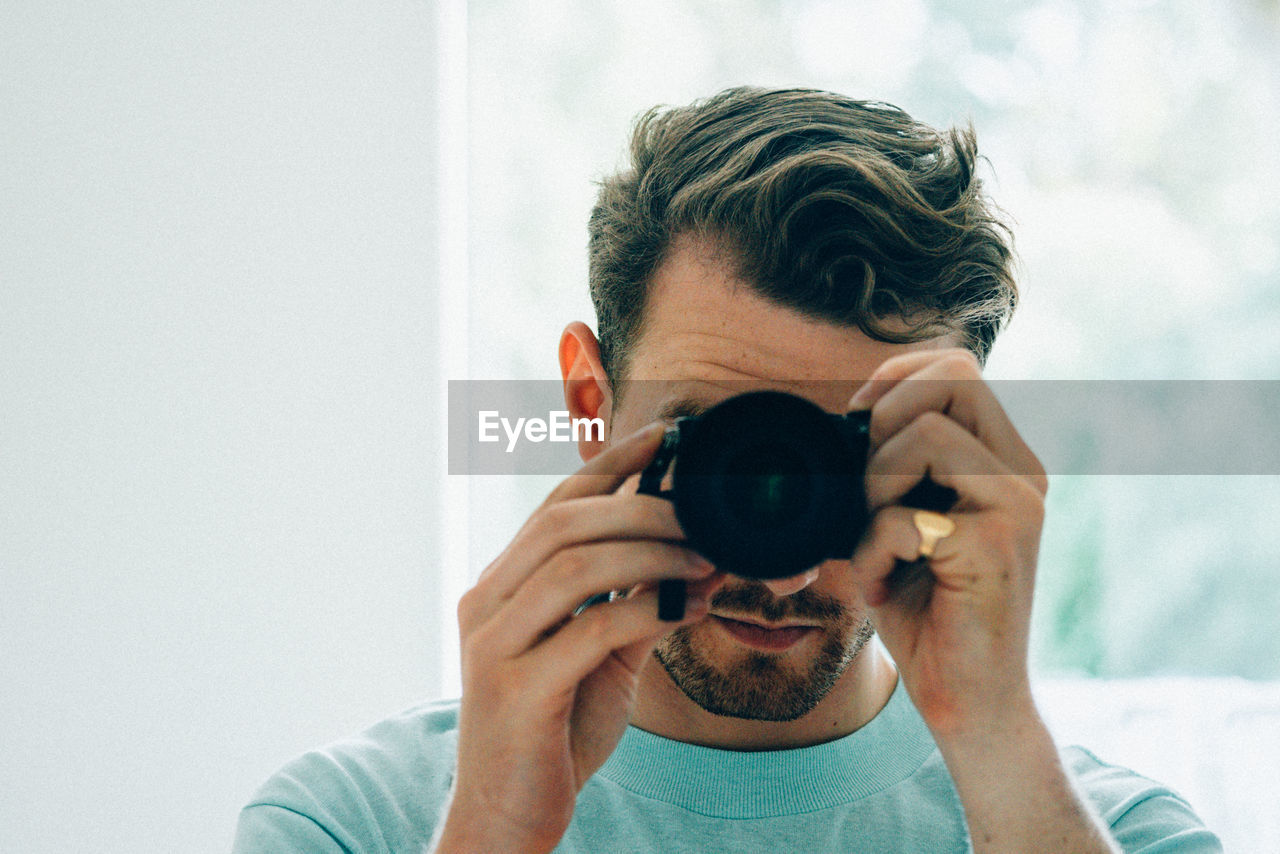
[(960, 643)]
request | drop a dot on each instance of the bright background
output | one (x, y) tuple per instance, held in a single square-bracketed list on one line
[(242, 246)]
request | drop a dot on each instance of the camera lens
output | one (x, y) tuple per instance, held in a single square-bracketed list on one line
[(767, 484)]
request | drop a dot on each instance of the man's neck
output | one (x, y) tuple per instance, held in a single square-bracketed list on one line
[(857, 697)]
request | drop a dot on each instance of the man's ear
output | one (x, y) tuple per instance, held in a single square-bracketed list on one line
[(586, 387)]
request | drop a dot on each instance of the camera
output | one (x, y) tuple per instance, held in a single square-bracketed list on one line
[(767, 484)]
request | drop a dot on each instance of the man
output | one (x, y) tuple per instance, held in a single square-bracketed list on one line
[(838, 250)]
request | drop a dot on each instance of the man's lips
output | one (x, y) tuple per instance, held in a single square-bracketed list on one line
[(763, 636)]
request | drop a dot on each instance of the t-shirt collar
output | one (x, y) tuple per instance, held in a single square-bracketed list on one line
[(758, 784)]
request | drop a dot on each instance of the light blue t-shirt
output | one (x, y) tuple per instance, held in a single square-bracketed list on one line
[(883, 788)]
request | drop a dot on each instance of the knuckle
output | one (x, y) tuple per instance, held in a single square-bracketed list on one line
[(468, 656), (878, 532), (1038, 476), (565, 565), (468, 608), (1035, 506), (961, 362), (595, 626), (553, 517), (881, 526), (1025, 514), (474, 652), (557, 493), (931, 427), (1026, 497)]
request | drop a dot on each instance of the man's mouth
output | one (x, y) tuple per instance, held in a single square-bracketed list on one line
[(773, 638)]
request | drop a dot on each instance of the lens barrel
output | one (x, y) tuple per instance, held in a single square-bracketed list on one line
[(767, 484)]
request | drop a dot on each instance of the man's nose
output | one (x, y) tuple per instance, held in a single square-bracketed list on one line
[(791, 584)]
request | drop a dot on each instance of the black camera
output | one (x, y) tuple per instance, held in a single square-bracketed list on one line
[(766, 484)]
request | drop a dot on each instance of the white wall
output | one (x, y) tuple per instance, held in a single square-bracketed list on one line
[(218, 386)]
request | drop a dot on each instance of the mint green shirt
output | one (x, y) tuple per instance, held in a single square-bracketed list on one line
[(883, 788)]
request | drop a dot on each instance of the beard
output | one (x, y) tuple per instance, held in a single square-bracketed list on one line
[(763, 686)]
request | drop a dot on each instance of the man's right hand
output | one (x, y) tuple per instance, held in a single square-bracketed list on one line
[(546, 694)]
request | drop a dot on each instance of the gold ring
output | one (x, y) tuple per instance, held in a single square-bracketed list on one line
[(931, 527)]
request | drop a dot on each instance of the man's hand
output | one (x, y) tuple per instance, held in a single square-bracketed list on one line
[(546, 694), (959, 633), (960, 644)]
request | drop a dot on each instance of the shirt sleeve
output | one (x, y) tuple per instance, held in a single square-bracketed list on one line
[(271, 829), (1145, 816), (379, 792), (1164, 824)]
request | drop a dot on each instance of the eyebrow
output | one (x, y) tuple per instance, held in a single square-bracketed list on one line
[(681, 407)]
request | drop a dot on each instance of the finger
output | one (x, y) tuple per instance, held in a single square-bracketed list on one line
[(953, 386), (894, 370), (892, 538), (609, 469), (976, 564), (790, 584), (935, 446), (585, 641), (567, 523), (575, 574)]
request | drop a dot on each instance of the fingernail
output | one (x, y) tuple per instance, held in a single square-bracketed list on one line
[(861, 397)]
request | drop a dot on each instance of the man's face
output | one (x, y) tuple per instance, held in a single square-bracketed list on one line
[(707, 337)]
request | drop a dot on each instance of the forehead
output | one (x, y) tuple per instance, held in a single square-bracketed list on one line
[(708, 336)]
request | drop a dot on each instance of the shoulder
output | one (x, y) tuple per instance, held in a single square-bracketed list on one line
[(1143, 814), (415, 745), (385, 785)]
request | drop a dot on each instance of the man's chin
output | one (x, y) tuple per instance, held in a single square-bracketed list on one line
[(733, 679)]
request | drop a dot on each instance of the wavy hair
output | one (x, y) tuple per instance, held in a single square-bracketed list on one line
[(846, 211)]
